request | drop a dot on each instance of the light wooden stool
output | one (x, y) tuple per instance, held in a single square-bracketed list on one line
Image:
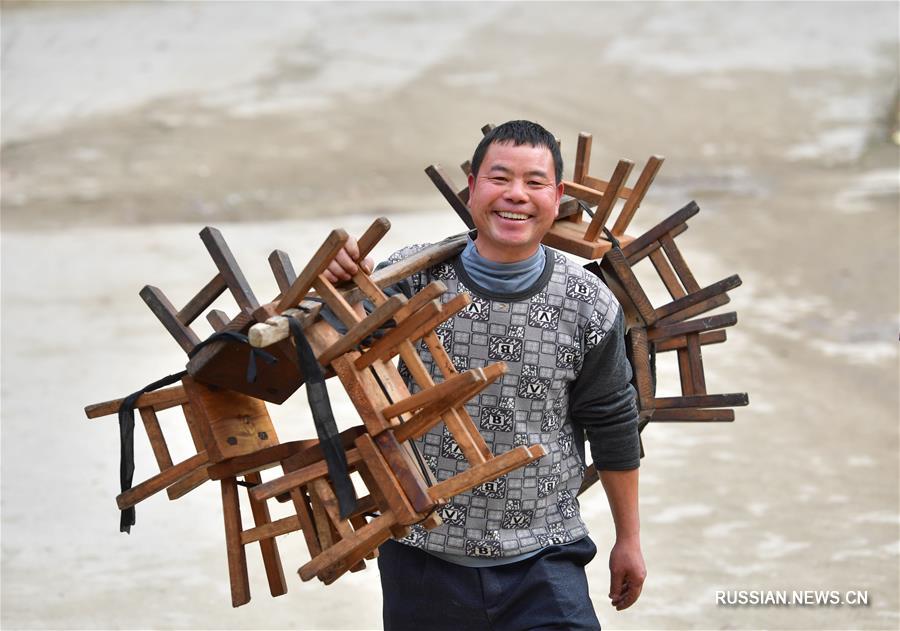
[(234, 437), (176, 479)]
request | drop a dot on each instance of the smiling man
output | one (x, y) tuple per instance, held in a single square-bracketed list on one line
[(514, 193), (511, 553)]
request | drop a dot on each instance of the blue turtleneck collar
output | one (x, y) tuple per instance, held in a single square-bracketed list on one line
[(503, 278)]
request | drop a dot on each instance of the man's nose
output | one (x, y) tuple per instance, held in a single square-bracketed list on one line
[(515, 191)]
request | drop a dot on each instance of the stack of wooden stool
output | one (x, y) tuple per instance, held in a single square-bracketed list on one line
[(402, 487), (674, 325), (235, 439)]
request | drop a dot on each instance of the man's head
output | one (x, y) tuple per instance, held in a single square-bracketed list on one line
[(520, 133), (514, 190)]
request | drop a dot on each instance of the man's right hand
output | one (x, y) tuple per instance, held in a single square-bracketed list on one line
[(346, 264)]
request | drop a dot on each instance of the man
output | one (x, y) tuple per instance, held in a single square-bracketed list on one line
[(511, 553)]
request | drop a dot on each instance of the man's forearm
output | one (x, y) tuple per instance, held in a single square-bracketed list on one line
[(622, 493), (626, 561)]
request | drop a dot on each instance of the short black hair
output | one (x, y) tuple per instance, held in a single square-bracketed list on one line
[(519, 132)]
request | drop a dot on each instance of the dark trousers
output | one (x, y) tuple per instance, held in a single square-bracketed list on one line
[(547, 591)]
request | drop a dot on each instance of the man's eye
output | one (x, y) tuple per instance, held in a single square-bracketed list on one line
[(498, 180), (537, 183)]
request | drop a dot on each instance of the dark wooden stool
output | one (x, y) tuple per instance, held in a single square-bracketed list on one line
[(224, 363), (688, 298), (585, 238)]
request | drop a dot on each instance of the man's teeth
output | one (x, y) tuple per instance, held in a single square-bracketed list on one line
[(507, 215)]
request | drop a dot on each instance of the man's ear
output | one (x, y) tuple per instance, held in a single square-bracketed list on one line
[(471, 181)]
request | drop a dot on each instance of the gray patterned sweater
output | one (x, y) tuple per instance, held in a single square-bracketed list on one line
[(568, 379)]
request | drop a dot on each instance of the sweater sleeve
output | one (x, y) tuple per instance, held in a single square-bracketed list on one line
[(602, 402)]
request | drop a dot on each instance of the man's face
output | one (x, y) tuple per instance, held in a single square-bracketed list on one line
[(514, 200)]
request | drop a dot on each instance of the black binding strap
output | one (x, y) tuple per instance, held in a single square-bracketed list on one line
[(232, 336), (326, 429), (612, 239), (585, 207), (329, 316), (126, 439)]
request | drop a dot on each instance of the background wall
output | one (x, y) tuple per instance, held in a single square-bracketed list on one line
[(127, 127)]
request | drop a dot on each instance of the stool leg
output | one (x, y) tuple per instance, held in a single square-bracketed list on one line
[(268, 546), (684, 372), (337, 559), (695, 360), (301, 505), (320, 519), (237, 557)]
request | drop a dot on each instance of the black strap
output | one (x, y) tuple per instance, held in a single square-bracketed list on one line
[(328, 315), (609, 235), (585, 207), (426, 472), (126, 439), (612, 239), (323, 417), (338, 325), (232, 336)]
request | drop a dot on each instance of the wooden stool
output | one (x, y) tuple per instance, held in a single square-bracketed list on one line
[(176, 479), (224, 363), (241, 441), (688, 298), (585, 239), (337, 544), (234, 437), (667, 328)]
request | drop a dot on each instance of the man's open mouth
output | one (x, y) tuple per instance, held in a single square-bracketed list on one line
[(513, 216)]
